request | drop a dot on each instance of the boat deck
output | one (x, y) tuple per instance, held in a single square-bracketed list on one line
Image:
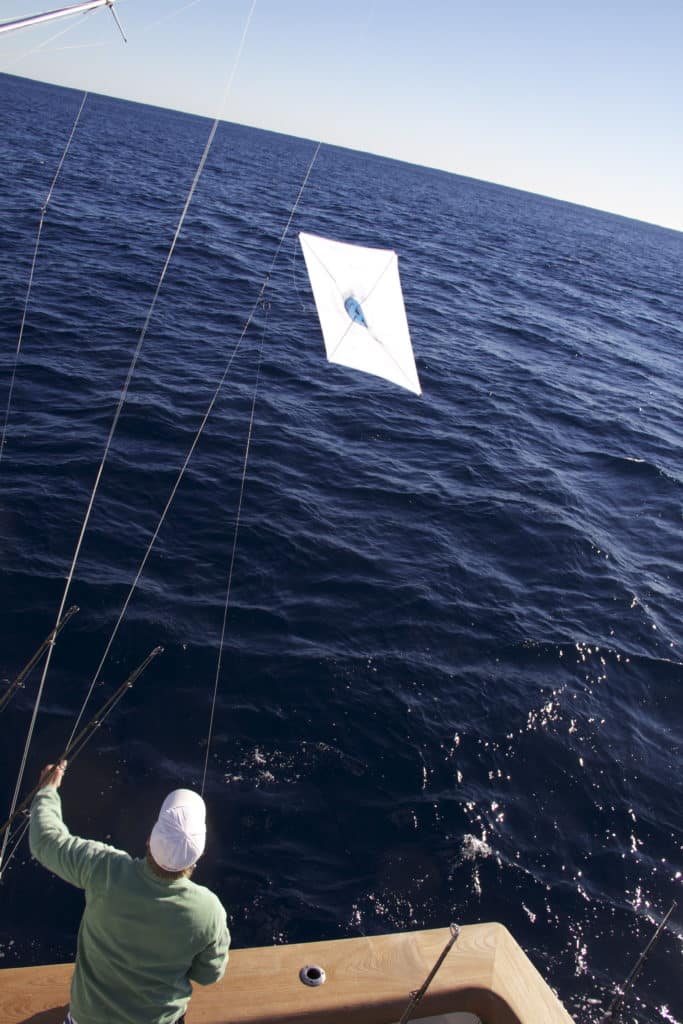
[(369, 981)]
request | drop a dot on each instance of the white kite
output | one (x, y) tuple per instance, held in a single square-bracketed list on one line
[(358, 296)]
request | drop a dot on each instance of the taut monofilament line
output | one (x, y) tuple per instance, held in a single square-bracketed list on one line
[(200, 430), (114, 424)]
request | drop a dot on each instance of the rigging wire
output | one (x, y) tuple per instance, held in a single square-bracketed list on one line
[(119, 408), (27, 299)]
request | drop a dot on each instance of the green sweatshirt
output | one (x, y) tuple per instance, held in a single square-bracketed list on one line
[(142, 939)]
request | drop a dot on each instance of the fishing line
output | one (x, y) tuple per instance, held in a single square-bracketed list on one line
[(238, 517), (43, 213), (117, 415), (205, 417), (198, 434), (247, 449)]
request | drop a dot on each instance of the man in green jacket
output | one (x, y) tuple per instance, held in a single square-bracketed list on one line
[(147, 930)]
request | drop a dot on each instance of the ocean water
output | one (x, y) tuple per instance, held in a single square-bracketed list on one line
[(451, 687)]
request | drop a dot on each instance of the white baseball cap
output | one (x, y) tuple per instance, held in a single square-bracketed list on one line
[(179, 835)]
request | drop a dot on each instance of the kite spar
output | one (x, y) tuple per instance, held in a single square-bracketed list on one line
[(358, 296)]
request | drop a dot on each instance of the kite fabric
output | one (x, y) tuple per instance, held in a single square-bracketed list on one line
[(358, 296)]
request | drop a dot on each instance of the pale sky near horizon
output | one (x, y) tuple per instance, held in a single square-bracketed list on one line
[(580, 101)]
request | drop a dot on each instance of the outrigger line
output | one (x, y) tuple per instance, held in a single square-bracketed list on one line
[(76, 745), (616, 1005), (49, 641)]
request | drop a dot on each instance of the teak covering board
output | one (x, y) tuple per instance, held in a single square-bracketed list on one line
[(369, 981)]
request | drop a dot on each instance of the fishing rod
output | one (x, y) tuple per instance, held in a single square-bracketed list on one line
[(31, 664), (415, 997), (62, 12), (615, 1007), (74, 748)]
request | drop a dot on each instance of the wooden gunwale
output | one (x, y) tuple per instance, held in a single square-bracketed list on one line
[(368, 982)]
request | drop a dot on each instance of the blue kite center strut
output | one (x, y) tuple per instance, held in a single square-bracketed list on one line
[(355, 310)]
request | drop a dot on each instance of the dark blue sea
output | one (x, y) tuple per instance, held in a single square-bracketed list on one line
[(451, 687)]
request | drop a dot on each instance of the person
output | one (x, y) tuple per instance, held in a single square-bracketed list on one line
[(147, 930)]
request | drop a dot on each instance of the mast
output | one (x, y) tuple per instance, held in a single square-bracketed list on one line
[(62, 12)]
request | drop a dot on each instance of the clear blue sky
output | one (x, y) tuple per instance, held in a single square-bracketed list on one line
[(575, 99)]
